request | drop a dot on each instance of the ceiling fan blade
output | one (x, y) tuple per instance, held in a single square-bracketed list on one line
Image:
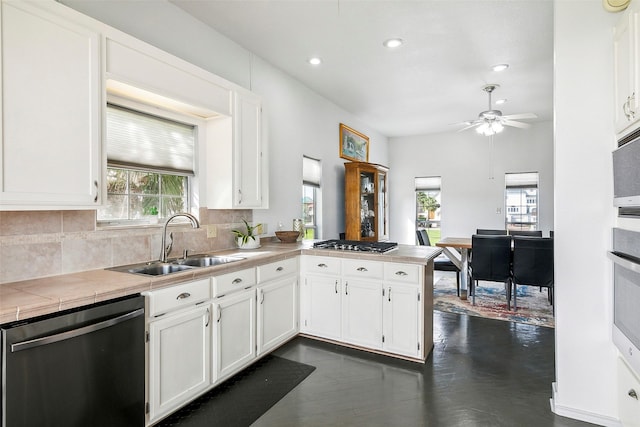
[(513, 123), (520, 116), (470, 125)]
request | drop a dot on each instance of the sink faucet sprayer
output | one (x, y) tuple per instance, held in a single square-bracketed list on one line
[(166, 249)]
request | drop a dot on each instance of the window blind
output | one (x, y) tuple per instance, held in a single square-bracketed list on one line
[(311, 172), (138, 140), (521, 180), (428, 183)]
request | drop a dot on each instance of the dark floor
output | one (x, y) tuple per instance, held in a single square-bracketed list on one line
[(482, 372)]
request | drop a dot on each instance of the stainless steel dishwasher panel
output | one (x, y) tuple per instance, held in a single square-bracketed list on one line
[(83, 367)]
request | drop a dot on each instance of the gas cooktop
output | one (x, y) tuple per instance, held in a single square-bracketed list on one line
[(356, 245)]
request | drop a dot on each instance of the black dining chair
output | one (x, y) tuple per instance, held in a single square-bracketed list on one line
[(530, 233), (441, 262), (491, 262), (491, 232), (532, 264)]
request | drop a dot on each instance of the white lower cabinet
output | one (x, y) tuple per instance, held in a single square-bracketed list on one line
[(235, 332), (362, 313), (375, 305), (178, 347), (277, 314), (403, 317), (321, 307), (628, 396), (401, 320)]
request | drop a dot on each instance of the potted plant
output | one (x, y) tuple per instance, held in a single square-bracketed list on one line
[(151, 214), (428, 203), (247, 239)]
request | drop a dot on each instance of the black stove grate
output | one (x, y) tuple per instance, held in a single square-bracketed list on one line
[(356, 245)]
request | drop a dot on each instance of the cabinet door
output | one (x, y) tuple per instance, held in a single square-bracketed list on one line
[(248, 151), (362, 313), (179, 359), (626, 51), (322, 307), (402, 319), (235, 343), (277, 313), (628, 396), (51, 97)]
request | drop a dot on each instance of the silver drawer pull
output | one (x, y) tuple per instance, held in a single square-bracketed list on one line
[(632, 393), (183, 295), (279, 269), (322, 265), (401, 273), (236, 281), (362, 269)]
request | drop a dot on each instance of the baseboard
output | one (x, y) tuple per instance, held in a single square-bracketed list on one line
[(579, 414)]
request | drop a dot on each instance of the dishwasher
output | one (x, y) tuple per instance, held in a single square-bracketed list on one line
[(79, 367)]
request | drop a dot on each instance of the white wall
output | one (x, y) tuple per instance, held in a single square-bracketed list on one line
[(299, 120), (472, 174), (584, 138)]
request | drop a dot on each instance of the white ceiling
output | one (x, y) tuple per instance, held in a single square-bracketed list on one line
[(431, 82)]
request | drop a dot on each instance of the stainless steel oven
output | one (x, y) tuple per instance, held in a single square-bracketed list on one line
[(82, 367), (626, 294)]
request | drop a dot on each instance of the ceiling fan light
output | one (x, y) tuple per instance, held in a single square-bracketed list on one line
[(500, 67), (497, 127), (392, 43), (315, 60)]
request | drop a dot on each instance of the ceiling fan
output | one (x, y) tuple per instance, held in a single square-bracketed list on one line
[(490, 122)]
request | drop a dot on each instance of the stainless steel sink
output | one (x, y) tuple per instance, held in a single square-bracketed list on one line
[(207, 260), (159, 269)]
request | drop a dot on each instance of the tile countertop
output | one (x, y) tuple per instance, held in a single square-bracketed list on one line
[(36, 297)]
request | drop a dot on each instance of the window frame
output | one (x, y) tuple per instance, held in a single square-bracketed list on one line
[(315, 185), (193, 181), (513, 209)]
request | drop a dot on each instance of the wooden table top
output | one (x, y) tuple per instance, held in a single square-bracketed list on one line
[(455, 242)]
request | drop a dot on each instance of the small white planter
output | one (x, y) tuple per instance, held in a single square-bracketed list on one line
[(251, 243)]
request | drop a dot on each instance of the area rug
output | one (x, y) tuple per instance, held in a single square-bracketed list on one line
[(243, 398), (491, 302)]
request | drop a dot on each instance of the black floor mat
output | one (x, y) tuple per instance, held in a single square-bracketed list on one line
[(243, 398)]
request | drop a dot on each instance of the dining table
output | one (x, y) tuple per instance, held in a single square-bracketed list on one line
[(462, 246)]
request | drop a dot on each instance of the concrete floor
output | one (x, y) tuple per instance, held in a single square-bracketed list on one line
[(482, 372)]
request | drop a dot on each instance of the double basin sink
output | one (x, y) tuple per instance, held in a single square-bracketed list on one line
[(158, 268)]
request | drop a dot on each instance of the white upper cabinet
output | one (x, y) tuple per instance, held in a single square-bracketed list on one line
[(237, 175), (51, 116), (626, 48), (190, 89)]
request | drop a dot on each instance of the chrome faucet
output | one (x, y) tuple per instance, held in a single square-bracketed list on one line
[(166, 249)]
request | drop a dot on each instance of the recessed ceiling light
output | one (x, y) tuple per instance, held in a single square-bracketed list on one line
[(315, 61), (500, 101), (391, 43), (500, 67)]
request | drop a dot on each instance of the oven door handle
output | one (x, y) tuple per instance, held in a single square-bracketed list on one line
[(624, 262), (25, 345)]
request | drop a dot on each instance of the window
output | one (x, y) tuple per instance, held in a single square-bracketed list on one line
[(428, 195), (521, 201), (150, 163), (311, 176)]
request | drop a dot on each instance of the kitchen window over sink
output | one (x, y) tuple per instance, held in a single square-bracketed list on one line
[(150, 164)]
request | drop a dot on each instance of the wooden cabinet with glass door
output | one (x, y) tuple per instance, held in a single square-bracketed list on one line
[(366, 201)]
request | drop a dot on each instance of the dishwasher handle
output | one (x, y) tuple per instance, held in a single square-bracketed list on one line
[(25, 345)]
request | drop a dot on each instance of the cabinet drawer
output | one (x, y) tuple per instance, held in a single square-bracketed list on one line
[(232, 282), (362, 268), (404, 273), (277, 269), (321, 265), (176, 297)]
